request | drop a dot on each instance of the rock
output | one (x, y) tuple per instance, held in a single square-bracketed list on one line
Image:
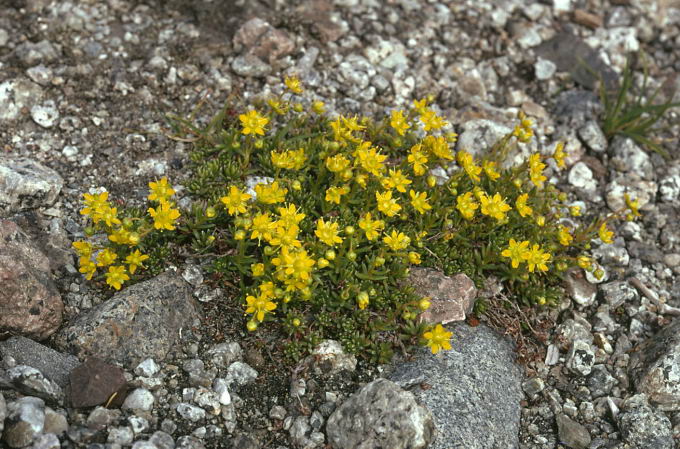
[(581, 177), (580, 358), (162, 440), (250, 65), (642, 426), (479, 369), (263, 40), (46, 441), (189, 442), (618, 293), (139, 399), (16, 96), (26, 184), (600, 382), (571, 433), (614, 254), (120, 435), (100, 418), (138, 322), (207, 400), (190, 412), (479, 134), (3, 413), (655, 369), (54, 365), (452, 297), (240, 373), (580, 290), (221, 388), (329, 358), (30, 304), (148, 368), (94, 382), (46, 114), (533, 386), (632, 184), (571, 330), (380, 415), (544, 69), (25, 421), (591, 134), (669, 185), (33, 53), (31, 382), (54, 422), (627, 156), (224, 354), (571, 54)]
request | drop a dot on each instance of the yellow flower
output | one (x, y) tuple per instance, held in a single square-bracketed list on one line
[(431, 120), (337, 163), (289, 216), (293, 83), (318, 107), (386, 204), (605, 234), (135, 260), (257, 269), (371, 227), (523, 131), (559, 155), (294, 268), (285, 236), (521, 205), (334, 194), (396, 180), (277, 106), (253, 123), (419, 201), (414, 258), (466, 205), (398, 122), (466, 161), (262, 227), (633, 205), (120, 236), (235, 201), (363, 300), (420, 105), (438, 339), (164, 216), (490, 170), (259, 306), (108, 215), (517, 252), (327, 232), (291, 160), (160, 191), (584, 262), (106, 257), (494, 206), (87, 267), (564, 236), (370, 159), (270, 193), (417, 159), (83, 248), (94, 203), (575, 211), (536, 258), (536, 170), (438, 146), (397, 240), (116, 276)]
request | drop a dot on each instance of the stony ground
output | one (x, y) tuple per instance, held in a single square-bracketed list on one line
[(86, 88)]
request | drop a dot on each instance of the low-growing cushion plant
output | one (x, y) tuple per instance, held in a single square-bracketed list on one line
[(318, 220)]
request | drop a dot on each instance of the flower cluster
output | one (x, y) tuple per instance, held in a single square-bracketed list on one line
[(345, 206)]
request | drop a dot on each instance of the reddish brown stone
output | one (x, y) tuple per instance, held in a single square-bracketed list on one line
[(30, 304), (451, 297), (95, 382), (261, 39)]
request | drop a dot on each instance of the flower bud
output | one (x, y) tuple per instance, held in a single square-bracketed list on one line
[(251, 325), (424, 303), (278, 292), (349, 230), (517, 182), (210, 212), (431, 181), (297, 107), (306, 293), (297, 185), (322, 263), (562, 197), (330, 254), (599, 273), (296, 322), (127, 222), (379, 261), (259, 144), (372, 292), (346, 174), (89, 231), (133, 238), (268, 250), (351, 256), (239, 235)]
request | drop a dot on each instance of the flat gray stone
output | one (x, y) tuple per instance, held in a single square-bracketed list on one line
[(474, 390), (26, 184), (139, 322), (52, 364), (642, 426)]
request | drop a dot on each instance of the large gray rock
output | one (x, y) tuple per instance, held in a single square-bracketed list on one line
[(30, 381), (380, 415), (655, 367), (3, 413), (139, 322), (474, 390), (17, 95), (26, 184), (30, 304), (52, 364), (643, 427)]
